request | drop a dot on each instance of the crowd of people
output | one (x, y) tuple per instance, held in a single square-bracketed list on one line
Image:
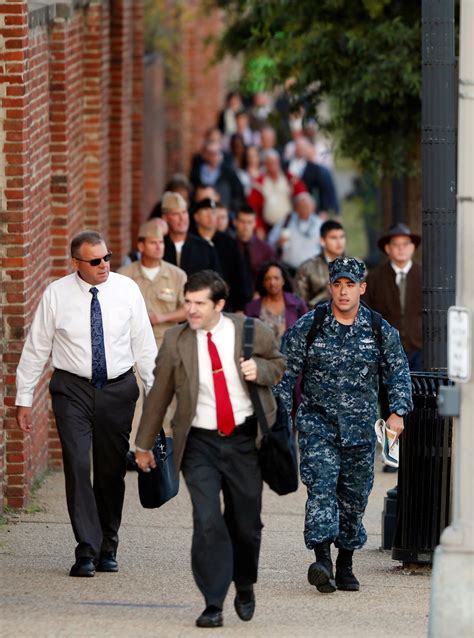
[(255, 231)]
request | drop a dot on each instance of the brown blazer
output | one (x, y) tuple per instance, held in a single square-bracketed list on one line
[(382, 296), (176, 373)]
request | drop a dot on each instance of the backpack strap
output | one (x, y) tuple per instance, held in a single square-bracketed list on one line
[(376, 321), (247, 349), (320, 311)]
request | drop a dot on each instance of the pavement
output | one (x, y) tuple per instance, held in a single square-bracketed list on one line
[(154, 593)]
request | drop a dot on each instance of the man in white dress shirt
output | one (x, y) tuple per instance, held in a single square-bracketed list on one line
[(214, 434), (297, 238), (95, 325)]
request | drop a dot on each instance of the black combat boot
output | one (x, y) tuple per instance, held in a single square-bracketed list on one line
[(345, 579), (320, 573)]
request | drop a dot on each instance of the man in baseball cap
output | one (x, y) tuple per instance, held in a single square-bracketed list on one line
[(337, 351)]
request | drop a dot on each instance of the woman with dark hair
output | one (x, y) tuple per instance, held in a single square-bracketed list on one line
[(249, 168), (277, 306), (237, 150)]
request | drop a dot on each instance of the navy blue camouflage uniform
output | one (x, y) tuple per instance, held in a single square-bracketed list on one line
[(336, 416)]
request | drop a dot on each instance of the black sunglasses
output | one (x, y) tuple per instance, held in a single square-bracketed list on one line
[(95, 262)]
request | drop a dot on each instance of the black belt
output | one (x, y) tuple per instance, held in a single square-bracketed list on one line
[(109, 381), (249, 426), (121, 376)]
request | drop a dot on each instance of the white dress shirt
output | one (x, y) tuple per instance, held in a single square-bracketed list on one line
[(302, 239), (398, 271), (61, 327), (223, 335)]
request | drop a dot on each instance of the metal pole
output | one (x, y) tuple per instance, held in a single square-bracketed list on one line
[(438, 175), (452, 598)]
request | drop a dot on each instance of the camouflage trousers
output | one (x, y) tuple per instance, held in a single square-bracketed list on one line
[(339, 481)]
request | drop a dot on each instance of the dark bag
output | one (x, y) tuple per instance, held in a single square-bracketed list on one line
[(160, 484), (277, 454)]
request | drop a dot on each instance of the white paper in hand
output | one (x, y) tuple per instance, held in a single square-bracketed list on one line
[(389, 441)]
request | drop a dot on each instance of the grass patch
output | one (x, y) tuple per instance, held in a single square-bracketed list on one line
[(32, 507)]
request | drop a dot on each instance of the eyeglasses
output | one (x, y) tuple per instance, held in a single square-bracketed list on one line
[(95, 262), (400, 244)]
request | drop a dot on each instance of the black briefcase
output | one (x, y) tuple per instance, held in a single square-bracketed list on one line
[(160, 484)]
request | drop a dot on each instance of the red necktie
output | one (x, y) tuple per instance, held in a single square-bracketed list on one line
[(224, 413)]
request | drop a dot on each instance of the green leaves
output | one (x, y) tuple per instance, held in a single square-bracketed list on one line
[(362, 55)]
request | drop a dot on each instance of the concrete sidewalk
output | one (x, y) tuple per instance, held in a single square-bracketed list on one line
[(154, 593)]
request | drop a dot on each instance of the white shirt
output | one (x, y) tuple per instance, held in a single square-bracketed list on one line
[(223, 335), (302, 239), (150, 273), (297, 166), (398, 271), (61, 327)]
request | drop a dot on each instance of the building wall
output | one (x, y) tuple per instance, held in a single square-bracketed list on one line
[(78, 149), (70, 159), (195, 107)]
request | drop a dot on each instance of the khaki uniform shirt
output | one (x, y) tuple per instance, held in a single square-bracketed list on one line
[(162, 295)]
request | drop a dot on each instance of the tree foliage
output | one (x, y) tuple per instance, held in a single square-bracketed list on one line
[(363, 56)]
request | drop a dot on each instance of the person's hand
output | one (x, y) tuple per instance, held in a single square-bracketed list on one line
[(395, 423), (145, 460), (249, 369), (23, 418)]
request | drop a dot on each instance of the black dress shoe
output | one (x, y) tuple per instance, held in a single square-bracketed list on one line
[(210, 617), (244, 604), (83, 567), (107, 562)]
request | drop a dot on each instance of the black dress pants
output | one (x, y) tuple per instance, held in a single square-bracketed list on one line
[(226, 545), (100, 419)]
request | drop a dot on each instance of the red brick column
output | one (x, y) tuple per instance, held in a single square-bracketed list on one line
[(96, 60), (121, 95), (203, 87), (25, 216), (68, 195), (138, 105)]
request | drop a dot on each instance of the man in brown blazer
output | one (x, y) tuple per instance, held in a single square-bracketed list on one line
[(394, 290), (215, 430)]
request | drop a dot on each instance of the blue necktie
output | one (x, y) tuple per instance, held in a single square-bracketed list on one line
[(99, 364)]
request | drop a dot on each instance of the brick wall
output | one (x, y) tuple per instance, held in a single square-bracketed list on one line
[(25, 217), (194, 109), (73, 135), (154, 131), (70, 74)]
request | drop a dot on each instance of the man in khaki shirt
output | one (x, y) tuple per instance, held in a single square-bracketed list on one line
[(161, 283), (162, 286)]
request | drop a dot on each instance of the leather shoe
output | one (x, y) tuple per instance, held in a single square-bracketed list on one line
[(83, 567), (210, 617), (107, 562), (244, 604)]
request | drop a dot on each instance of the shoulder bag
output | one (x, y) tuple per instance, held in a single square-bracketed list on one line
[(277, 454)]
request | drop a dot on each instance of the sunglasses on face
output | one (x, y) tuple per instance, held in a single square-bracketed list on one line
[(95, 262)]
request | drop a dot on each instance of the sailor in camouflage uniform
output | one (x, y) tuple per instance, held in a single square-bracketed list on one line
[(336, 417)]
